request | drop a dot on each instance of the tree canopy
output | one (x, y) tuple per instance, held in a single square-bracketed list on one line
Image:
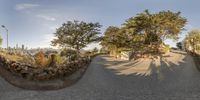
[(192, 41), (110, 37), (76, 35), (156, 27), (179, 45), (143, 30), (115, 39)]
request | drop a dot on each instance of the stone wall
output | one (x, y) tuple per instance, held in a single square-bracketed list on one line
[(32, 72), (51, 78)]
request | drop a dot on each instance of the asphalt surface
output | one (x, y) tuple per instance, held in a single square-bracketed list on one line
[(174, 77)]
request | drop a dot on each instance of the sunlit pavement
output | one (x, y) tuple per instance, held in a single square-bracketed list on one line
[(172, 77)]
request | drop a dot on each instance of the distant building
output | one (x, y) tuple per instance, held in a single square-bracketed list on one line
[(17, 46), (22, 47)]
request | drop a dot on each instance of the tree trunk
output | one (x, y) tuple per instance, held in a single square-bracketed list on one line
[(78, 51)]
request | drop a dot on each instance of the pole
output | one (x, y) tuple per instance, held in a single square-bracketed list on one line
[(7, 38), (3, 26)]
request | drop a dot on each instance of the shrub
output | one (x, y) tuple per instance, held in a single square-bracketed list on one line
[(40, 59), (56, 59), (95, 50), (88, 53), (165, 49), (28, 59), (59, 59), (70, 54)]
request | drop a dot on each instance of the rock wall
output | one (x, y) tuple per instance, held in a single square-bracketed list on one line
[(52, 78), (32, 72)]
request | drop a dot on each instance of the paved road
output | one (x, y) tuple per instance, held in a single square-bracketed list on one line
[(174, 77)]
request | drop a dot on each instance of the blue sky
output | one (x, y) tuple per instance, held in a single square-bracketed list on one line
[(33, 22)]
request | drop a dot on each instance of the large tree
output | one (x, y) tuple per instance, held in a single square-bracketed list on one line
[(110, 39), (76, 35), (192, 41), (179, 45), (156, 27), (115, 39)]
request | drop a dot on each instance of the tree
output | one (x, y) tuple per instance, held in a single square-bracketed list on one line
[(76, 35), (156, 27), (109, 40), (144, 32), (95, 50), (114, 40), (192, 41), (179, 45)]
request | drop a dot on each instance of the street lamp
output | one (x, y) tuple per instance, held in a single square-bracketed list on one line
[(6, 33)]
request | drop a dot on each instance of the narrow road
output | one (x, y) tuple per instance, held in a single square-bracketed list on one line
[(174, 77)]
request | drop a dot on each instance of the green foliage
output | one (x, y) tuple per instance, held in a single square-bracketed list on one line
[(156, 27), (103, 50), (67, 52), (192, 41), (95, 50), (76, 35), (179, 45), (116, 39), (144, 29), (70, 54), (57, 59), (166, 48)]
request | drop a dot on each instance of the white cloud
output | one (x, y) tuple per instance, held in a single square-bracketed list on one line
[(45, 42), (53, 28), (92, 46), (48, 37), (189, 27), (45, 17), (24, 6)]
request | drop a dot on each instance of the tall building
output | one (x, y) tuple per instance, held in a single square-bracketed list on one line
[(16, 46), (22, 47)]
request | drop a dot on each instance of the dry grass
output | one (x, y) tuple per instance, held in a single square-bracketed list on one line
[(12, 57), (17, 57)]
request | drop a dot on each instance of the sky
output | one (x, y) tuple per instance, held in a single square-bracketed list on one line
[(33, 22)]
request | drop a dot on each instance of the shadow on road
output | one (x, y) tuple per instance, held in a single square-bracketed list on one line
[(160, 69)]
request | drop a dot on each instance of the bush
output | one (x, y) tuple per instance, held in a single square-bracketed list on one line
[(40, 59), (28, 59), (56, 59), (95, 50), (70, 54), (88, 53), (165, 49), (59, 59)]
